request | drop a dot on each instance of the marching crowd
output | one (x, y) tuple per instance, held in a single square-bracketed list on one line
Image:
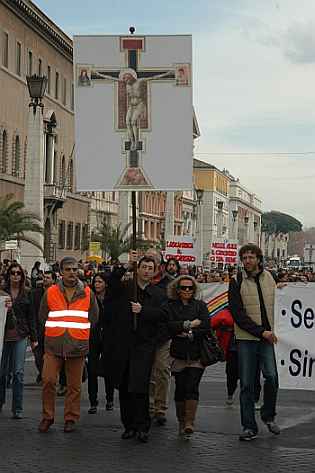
[(137, 325)]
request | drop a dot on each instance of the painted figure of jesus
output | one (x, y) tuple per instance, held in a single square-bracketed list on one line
[(136, 100)]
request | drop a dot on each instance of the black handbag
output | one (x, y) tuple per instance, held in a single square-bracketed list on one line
[(210, 350)]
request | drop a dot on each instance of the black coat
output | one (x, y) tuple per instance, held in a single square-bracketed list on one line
[(176, 312), (129, 349), (22, 317)]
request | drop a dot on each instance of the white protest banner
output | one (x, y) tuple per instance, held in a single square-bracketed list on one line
[(224, 252), (215, 295), (133, 112), (181, 248), (3, 315), (295, 329)]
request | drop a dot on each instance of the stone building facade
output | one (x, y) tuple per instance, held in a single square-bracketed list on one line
[(30, 43)]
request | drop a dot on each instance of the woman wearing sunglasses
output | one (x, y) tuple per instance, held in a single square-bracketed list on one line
[(188, 322), (20, 325)]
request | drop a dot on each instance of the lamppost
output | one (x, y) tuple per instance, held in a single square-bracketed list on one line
[(234, 217), (246, 220), (34, 172), (199, 195), (220, 204)]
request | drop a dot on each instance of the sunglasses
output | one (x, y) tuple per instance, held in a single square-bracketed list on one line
[(16, 273), (67, 270), (185, 288)]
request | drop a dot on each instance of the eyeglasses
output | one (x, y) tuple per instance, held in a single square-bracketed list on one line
[(16, 273), (185, 288), (67, 270)]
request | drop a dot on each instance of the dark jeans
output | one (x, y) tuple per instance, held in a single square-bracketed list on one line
[(93, 364), (13, 354), (252, 353), (134, 407), (187, 384), (232, 375)]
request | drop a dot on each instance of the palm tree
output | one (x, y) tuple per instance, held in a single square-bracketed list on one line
[(115, 240), (15, 222)]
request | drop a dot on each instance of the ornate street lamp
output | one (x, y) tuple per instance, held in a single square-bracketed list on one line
[(220, 205), (199, 194), (234, 214), (37, 88)]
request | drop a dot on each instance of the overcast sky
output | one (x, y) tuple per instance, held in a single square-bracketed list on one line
[(254, 76)]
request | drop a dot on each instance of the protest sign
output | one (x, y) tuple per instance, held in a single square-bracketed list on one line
[(224, 252), (295, 329), (133, 112), (182, 249)]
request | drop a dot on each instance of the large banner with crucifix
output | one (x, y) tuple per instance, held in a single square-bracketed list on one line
[(133, 112)]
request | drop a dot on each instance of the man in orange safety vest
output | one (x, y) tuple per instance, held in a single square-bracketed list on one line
[(68, 308)]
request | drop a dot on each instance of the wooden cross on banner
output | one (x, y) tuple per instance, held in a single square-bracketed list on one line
[(133, 107)]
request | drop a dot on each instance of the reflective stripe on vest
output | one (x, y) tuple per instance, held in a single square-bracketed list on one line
[(73, 319)]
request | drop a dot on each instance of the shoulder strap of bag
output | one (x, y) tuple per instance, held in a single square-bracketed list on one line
[(239, 279)]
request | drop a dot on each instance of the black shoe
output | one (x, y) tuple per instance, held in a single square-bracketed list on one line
[(143, 437), (128, 434), (92, 410), (110, 406), (160, 419), (39, 379)]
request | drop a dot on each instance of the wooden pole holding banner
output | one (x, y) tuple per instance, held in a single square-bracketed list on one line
[(134, 247)]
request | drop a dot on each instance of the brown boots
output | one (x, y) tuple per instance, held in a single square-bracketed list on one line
[(186, 413)]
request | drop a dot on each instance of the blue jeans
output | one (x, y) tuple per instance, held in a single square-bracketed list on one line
[(13, 355), (252, 353)]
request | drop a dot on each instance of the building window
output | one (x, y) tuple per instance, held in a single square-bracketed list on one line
[(72, 96), (114, 196), (70, 236), (30, 63), (48, 80), (85, 237), (18, 58), (4, 152), (57, 86), (16, 157), (61, 234), (5, 50), (39, 67), (64, 95), (77, 236)]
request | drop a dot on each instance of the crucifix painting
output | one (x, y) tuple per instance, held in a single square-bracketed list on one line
[(132, 83)]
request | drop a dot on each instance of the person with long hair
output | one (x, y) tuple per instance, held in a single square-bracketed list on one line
[(98, 342), (20, 326), (188, 323)]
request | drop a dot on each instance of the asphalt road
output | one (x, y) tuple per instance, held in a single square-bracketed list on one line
[(96, 445)]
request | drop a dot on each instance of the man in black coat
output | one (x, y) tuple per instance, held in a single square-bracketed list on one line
[(133, 347)]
